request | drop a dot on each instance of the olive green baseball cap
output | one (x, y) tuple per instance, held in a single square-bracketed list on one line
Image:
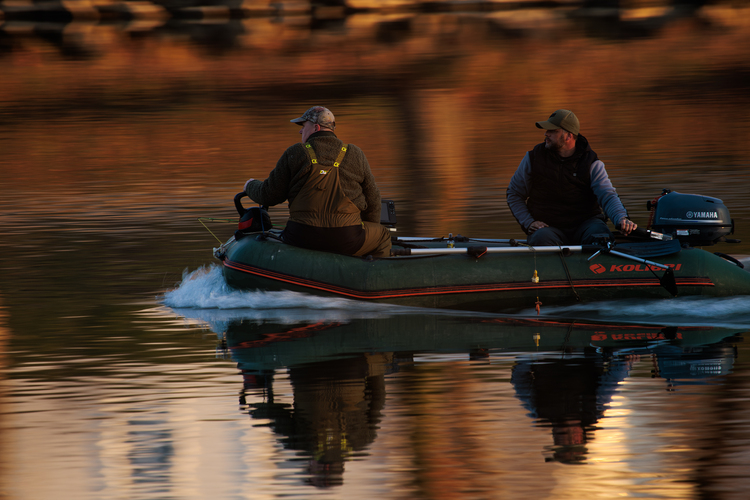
[(562, 118)]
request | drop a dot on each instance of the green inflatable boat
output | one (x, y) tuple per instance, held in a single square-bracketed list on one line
[(504, 275)]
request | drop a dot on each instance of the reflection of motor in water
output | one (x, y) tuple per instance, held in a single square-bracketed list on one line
[(570, 392), (696, 365), (337, 406)]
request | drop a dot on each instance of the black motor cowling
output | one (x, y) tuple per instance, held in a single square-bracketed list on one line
[(253, 219), (691, 218)]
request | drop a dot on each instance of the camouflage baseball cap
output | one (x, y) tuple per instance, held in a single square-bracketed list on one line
[(317, 114), (562, 118)]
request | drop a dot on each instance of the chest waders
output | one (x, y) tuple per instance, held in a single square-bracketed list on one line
[(322, 202), (322, 217)]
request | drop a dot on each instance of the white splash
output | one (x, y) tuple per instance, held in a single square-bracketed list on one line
[(203, 294)]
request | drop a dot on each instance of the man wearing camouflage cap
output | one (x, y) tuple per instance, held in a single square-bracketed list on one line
[(560, 188), (334, 203)]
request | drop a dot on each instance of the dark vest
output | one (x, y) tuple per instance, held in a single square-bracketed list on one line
[(561, 193)]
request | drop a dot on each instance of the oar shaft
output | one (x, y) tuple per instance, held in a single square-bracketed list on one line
[(417, 239), (638, 259), (667, 281), (477, 250), (436, 251)]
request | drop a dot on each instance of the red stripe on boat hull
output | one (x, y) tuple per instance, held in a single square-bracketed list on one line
[(455, 289)]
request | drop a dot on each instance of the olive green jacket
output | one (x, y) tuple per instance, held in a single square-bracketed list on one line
[(293, 169)]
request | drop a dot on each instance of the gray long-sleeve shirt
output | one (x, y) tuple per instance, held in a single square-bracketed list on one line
[(519, 190)]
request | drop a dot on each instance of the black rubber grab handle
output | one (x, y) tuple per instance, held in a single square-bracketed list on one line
[(238, 204)]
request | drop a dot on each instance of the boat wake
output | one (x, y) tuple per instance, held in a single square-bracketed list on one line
[(205, 289), (732, 312), (203, 294)]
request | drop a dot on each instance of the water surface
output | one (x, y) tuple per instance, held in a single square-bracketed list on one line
[(130, 371)]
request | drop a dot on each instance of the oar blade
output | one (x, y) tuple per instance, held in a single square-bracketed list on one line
[(668, 282)]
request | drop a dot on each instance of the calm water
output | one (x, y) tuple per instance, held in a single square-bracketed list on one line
[(131, 371)]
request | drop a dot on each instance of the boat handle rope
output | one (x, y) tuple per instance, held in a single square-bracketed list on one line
[(570, 279)]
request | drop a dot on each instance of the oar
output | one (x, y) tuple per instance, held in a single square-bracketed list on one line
[(478, 250), (630, 257), (417, 239), (667, 280)]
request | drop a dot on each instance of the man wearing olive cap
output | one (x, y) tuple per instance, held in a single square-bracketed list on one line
[(334, 203), (561, 188)]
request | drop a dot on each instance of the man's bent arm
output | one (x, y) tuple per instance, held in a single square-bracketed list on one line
[(606, 193), (275, 189), (518, 191)]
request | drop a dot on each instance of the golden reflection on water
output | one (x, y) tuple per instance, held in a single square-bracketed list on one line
[(442, 105), (110, 156), (442, 426), (5, 441)]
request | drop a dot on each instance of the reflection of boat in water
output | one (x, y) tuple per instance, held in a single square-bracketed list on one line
[(563, 372), (503, 275), (270, 345)]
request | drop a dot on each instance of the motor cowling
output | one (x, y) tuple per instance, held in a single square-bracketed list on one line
[(691, 218), (252, 220)]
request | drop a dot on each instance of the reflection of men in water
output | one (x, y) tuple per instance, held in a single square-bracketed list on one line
[(337, 406), (570, 394), (334, 203), (560, 188)]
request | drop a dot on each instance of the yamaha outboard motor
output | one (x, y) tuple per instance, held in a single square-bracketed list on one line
[(691, 218)]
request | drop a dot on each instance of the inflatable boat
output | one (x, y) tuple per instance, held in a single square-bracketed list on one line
[(502, 275)]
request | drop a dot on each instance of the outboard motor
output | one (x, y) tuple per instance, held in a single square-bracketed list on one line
[(252, 220), (691, 218)]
